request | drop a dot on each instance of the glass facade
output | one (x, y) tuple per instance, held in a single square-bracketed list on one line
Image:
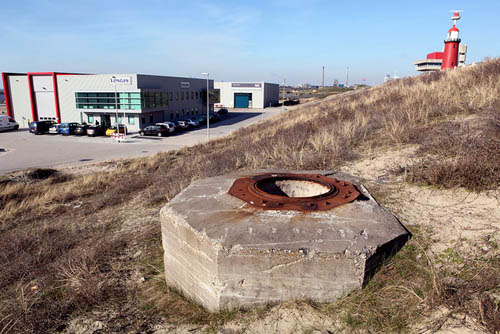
[(109, 100), (154, 100), (124, 101)]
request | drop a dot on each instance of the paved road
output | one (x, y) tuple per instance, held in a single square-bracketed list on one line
[(21, 149)]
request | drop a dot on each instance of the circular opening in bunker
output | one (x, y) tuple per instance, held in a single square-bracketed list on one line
[(290, 187)]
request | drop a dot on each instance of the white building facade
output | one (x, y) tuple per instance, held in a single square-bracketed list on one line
[(247, 94), (135, 100)]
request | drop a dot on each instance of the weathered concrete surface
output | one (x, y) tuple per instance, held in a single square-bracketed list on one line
[(224, 254)]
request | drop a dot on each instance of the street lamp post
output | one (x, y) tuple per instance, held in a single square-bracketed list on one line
[(124, 126), (116, 103), (208, 109)]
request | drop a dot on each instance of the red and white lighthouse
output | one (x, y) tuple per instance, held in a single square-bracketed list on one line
[(450, 57)]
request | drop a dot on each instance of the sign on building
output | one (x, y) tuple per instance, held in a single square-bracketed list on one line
[(245, 85), (185, 84), (121, 80)]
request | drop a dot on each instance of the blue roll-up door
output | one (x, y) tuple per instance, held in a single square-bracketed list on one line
[(241, 100)]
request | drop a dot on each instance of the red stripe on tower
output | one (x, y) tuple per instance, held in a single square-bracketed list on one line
[(451, 44)]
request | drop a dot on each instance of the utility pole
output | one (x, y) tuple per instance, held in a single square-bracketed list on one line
[(347, 77), (323, 78)]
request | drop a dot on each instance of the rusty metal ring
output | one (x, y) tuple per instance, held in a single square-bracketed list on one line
[(252, 190)]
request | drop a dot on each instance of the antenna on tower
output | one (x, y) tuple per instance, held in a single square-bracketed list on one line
[(456, 15)]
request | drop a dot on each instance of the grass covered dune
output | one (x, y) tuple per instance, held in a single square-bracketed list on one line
[(87, 246)]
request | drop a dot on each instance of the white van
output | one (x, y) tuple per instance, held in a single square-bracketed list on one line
[(7, 123)]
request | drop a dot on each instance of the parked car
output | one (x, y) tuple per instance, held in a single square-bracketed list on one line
[(169, 125), (222, 111), (67, 129), (160, 130), (121, 129), (81, 130), (96, 130), (8, 123), (193, 123), (291, 102), (202, 119), (176, 126), (40, 127), (182, 124), (214, 118), (54, 129)]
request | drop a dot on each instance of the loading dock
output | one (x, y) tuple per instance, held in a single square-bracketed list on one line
[(242, 100), (247, 94)]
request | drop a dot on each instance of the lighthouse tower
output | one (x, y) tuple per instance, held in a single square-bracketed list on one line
[(450, 57)]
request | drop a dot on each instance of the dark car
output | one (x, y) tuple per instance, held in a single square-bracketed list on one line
[(170, 126), (155, 130), (67, 129), (222, 111), (81, 130), (214, 118), (40, 127), (96, 130)]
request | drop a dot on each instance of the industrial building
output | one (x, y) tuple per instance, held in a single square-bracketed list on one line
[(453, 54), (135, 100), (247, 94)]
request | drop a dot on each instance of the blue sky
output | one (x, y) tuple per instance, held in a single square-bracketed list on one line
[(239, 40)]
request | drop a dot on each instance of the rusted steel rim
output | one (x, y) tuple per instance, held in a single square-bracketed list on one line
[(251, 190)]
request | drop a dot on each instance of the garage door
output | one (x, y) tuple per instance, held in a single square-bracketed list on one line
[(45, 103), (241, 100)]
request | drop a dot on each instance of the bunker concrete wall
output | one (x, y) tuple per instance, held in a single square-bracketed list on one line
[(225, 254)]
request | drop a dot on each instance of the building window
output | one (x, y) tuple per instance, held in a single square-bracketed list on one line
[(119, 119), (187, 95), (171, 96), (182, 96), (131, 120), (154, 100), (91, 119), (171, 116), (143, 119), (182, 113), (196, 110), (108, 100), (151, 119), (177, 96), (197, 95)]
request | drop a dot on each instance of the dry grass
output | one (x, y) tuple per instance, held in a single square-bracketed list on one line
[(63, 247)]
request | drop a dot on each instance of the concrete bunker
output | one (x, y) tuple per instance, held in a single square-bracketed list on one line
[(254, 238)]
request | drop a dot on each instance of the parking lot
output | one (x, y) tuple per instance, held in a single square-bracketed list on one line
[(21, 149)]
